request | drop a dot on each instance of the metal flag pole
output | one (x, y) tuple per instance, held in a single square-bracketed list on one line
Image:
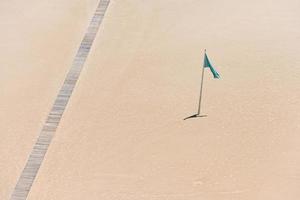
[(200, 97), (201, 87)]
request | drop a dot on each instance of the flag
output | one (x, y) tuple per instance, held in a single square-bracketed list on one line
[(208, 64)]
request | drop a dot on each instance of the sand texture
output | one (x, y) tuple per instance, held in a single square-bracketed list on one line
[(122, 136), (38, 42)]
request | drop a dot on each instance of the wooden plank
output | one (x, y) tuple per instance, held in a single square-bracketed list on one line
[(40, 148)]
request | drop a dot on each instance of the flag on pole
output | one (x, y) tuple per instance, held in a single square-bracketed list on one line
[(215, 74), (208, 64)]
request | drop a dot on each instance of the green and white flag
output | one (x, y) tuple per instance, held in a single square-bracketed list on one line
[(208, 64)]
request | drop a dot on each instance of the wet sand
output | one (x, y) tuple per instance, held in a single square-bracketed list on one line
[(122, 135)]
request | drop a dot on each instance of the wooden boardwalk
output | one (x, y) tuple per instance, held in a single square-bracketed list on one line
[(40, 148)]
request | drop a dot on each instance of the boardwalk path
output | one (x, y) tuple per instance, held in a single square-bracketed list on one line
[(49, 128)]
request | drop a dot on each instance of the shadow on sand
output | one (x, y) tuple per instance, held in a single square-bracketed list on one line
[(194, 116)]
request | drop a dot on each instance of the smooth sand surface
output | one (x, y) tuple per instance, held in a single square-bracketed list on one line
[(122, 135), (38, 42)]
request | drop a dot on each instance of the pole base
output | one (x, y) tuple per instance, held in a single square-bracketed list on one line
[(195, 116)]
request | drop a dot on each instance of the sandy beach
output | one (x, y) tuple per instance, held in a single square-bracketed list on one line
[(38, 42), (122, 135)]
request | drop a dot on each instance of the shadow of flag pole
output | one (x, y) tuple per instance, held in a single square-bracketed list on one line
[(207, 64)]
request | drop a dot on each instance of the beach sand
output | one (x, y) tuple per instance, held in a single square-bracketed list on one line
[(38, 42), (123, 136)]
